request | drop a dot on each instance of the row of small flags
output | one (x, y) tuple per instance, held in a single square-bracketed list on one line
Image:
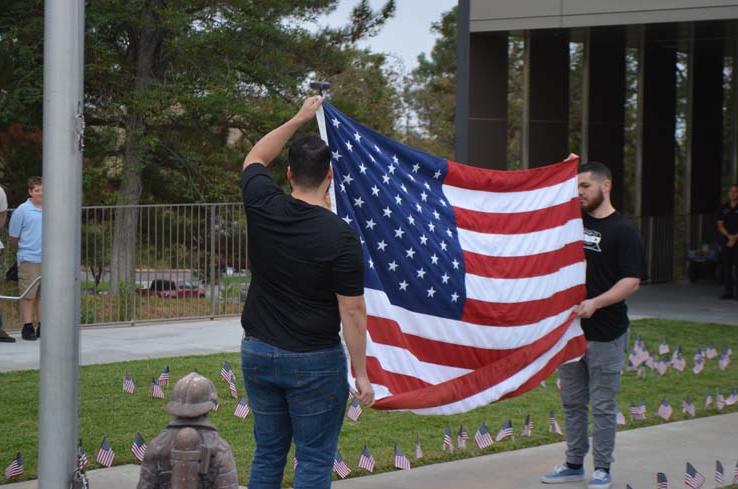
[(366, 462), (694, 479), (157, 384), (640, 357), (665, 410)]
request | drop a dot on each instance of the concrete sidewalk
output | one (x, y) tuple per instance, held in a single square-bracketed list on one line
[(140, 342), (639, 454)]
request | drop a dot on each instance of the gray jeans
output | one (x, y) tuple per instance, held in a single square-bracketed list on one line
[(596, 378)]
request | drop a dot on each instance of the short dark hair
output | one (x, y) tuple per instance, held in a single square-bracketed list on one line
[(599, 170), (34, 182), (309, 159)]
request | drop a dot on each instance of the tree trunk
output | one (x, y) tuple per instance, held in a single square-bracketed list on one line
[(147, 48)]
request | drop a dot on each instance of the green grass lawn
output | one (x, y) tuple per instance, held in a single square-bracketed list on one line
[(106, 411)]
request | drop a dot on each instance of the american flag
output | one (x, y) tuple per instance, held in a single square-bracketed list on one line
[(708, 399), (711, 352), (128, 385), (692, 478), (678, 361), (719, 473), (461, 437), (366, 459), (354, 411), (688, 407), (719, 400), (156, 390), (662, 366), (661, 481), (339, 466), (506, 431), (232, 389), (82, 459), (242, 409), (226, 373), (138, 447), (732, 398), (418, 449), (620, 419), (164, 376), (401, 461), (471, 275), (447, 444), (665, 410), (638, 411), (483, 436), (527, 426), (663, 348), (15, 468), (105, 454), (723, 361), (699, 365), (553, 425)]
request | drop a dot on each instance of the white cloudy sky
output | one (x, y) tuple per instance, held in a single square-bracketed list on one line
[(407, 34)]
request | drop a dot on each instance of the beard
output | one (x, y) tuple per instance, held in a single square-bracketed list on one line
[(594, 202)]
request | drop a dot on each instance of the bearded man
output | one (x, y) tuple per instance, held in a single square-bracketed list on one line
[(615, 266)]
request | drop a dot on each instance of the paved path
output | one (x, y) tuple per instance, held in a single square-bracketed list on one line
[(681, 300), (108, 345), (639, 455)]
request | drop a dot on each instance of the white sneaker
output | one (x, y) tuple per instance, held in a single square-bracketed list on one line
[(600, 480)]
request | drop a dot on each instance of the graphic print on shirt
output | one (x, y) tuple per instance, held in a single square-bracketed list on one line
[(592, 240)]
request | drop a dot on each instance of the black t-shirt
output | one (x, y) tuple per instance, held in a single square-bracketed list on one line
[(729, 216), (301, 256), (614, 251)]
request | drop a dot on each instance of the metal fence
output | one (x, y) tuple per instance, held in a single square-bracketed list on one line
[(191, 261)]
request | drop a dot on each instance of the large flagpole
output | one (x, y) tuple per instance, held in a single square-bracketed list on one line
[(62, 172)]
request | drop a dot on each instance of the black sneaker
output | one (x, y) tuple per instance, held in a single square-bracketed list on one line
[(38, 331), (5, 337), (27, 333)]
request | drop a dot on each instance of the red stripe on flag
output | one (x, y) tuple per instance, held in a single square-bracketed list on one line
[(388, 332), (517, 313), (523, 266), (469, 177), (518, 222), (480, 380)]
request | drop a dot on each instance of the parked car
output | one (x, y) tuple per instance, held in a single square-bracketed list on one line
[(172, 289)]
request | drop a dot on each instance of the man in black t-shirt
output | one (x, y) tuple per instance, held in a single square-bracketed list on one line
[(727, 227), (307, 280), (615, 266)]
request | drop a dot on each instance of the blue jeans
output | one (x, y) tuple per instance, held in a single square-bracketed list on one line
[(300, 395)]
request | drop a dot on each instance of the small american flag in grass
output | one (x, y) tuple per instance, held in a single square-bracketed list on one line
[(164, 376), (663, 348), (461, 437), (401, 461), (447, 444), (719, 400), (339, 466), (665, 410), (232, 390), (15, 468), (506, 431), (553, 425), (366, 459), (661, 481), (723, 361), (620, 419), (418, 449), (128, 386), (483, 436), (719, 473), (82, 459), (156, 390), (242, 408), (732, 398), (638, 411), (226, 373), (354, 411), (138, 447), (527, 426), (105, 454), (692, 478), (688, 407), (708, 399)]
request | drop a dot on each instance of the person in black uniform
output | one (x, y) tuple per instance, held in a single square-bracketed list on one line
[(727, 227), (307, 280), (615, 266)]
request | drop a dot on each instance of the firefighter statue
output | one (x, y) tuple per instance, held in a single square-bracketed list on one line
[(189, 453)]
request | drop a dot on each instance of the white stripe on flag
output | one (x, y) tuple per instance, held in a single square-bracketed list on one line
[(401, 361), (526, 244), (513, 290), (511, 202)]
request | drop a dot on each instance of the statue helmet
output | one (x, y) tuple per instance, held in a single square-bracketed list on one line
[(193, 396)]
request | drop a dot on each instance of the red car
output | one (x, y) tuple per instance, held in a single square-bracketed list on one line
[(171, 289)]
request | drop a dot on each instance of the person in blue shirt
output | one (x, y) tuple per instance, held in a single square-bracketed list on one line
[(26, 233)]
